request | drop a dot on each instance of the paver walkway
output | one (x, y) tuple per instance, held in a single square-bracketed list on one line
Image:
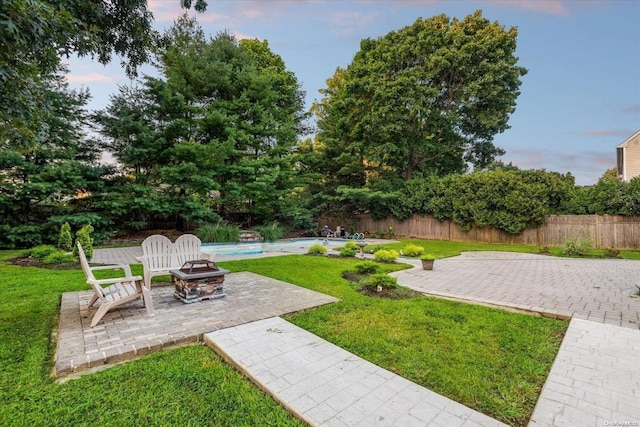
[(597, 290), (595, 379), (327, 386)]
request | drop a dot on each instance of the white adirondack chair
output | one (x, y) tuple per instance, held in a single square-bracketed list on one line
[(121, 290), (160, 256), (156, 257), (188, 248)]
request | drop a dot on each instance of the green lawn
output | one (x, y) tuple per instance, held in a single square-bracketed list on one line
[(443, 249), (491, 360), (189, 386)]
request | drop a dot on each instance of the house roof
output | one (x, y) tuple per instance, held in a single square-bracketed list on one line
[(626, 141)]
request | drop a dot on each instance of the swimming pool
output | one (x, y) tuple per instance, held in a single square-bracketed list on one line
[(287, 245)]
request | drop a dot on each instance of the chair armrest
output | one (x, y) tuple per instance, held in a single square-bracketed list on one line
[(125, 267), (117, 279), (208, 257)]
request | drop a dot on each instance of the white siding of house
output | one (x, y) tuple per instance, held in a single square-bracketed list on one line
[(631, 160)]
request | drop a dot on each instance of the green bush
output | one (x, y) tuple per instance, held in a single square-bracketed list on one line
[(579, 247), (351, 245), (219, 232), (367, 267), (83, 236), (428, 257), (271, 232), (59, 257), (39, 253), (380, 281), (611, 253), (386, 256), (348, 252), (413, 250), (317, 249), (65, 240)]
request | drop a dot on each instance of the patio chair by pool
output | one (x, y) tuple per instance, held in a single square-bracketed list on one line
[(160, 255), (121, 290)]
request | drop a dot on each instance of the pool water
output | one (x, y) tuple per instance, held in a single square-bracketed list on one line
[(248, 248)]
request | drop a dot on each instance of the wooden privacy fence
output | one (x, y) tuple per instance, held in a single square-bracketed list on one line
[(604, 231)]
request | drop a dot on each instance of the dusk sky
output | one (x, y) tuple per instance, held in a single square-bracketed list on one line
[(580, 98)]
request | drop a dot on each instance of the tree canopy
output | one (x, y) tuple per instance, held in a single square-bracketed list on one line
[(426, 99), (35, 35), (216, 132)]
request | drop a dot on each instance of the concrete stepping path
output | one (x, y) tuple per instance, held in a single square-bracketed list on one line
[(325, 385), (595, 379)]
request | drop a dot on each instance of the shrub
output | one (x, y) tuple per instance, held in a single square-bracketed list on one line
[(83, 236), (219, 232), (380, 281), (367, 267), (65, 240), (428, 257), (580, 246), (544, 250), (351, 245), (390, 233), (387, 256), (317, 249), (611, 253), (59, 257), (39, 253), (271, 232), (348, 252), (413, 250)]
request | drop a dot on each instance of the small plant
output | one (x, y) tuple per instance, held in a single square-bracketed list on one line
[(83, 236), (39, 253), (390, 233), (347, 252), (270, 233), (412, 250), (377, 234), (428, 257), (380, 281), (65, 240), (544, 250), (367, 267), (219, 232), (59, 257), (611, 253), (577, 247), (351, 245), (386, 256), (317, 249)]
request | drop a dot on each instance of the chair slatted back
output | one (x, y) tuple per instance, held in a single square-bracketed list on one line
[(157, 250), (91, 279), (187, 248)]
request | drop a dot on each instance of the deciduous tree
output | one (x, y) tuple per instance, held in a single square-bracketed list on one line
[(426, 99)]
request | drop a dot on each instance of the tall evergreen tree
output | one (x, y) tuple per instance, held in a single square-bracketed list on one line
[(42, 172), (218, 128)]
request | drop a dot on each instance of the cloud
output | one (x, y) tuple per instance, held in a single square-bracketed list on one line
[(549, 7), (346, 24), (623, 133), (634, 109), (169, 11), (586, 166), (90, 78), (241, 36)]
